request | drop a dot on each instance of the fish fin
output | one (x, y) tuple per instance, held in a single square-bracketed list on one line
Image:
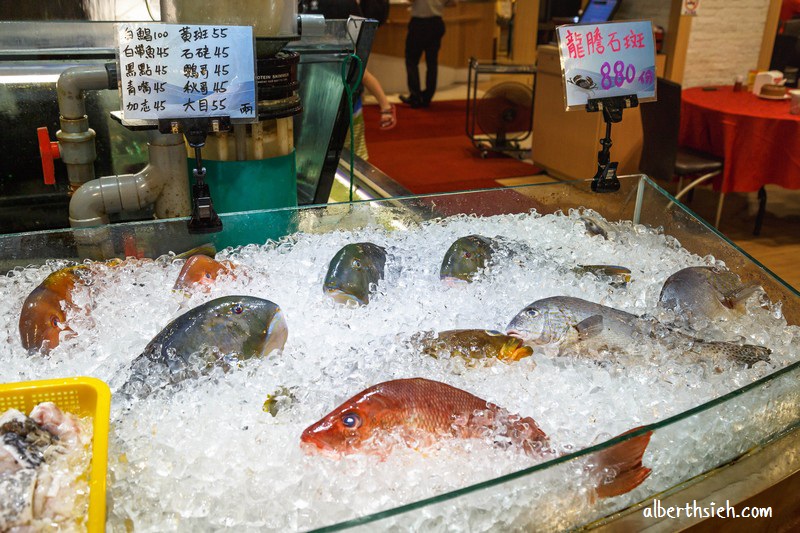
[(590, 326), (625, 458), (739, 295)]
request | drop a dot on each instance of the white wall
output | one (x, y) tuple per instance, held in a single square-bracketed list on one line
[(725, 41)]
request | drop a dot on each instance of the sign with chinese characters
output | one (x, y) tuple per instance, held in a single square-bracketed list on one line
[(606, 60), (179, 70)]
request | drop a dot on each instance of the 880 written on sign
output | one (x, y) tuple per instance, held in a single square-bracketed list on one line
[(607, 60)]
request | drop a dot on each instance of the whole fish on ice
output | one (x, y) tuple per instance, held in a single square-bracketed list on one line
[(220, 332), (706, 292), (43, 314), (201, 271), (471, 345), (354, 272), (618, 276), (590, 328), (467, 257), (419, 412)]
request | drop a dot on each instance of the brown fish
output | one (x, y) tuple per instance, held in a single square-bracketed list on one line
[(43, 318), (202, 270), (472, 344), (419, 412)]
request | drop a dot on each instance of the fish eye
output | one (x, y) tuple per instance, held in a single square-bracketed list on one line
[(533, 312), (351, 420), (238, 309), (54, 321), (208, 275), (356, 263), (467, 255)]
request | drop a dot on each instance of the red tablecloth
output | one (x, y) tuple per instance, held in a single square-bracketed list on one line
[(758, 139)]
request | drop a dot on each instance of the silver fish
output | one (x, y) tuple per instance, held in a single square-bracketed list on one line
[(708, 292), (593, 329)]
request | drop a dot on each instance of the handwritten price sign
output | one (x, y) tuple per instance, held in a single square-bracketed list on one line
[(179, 70), (606, 60)]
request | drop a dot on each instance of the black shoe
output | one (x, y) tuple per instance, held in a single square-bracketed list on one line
[(415, 103)]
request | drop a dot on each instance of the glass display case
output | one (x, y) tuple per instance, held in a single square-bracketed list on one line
[(751, 424)]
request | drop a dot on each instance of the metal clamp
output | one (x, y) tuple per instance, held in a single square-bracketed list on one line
[(605, 179), (204, 217)]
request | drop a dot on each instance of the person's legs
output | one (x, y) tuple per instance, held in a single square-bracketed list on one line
[(432, 46), (414, 47)]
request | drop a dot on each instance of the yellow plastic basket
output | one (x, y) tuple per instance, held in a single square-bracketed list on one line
[(82, 396)]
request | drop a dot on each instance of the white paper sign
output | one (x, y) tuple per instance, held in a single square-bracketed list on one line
[(180, 70), (607, 60)]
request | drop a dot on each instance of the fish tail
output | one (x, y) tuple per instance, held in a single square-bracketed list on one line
[(624, 458), (743, 354), (751, 354)]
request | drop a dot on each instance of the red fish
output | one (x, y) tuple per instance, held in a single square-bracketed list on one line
[(420, 411), (203, 270), (42, 318)]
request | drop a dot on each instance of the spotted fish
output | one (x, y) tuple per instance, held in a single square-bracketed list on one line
[(590, 328)]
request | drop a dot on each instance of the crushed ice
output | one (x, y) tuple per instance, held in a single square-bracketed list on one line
[(207, 455)]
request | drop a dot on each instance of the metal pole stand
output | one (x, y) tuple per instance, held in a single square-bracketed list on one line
[(204, 217), (605, 180)]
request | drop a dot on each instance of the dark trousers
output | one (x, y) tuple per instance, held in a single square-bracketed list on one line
[(424, 35)]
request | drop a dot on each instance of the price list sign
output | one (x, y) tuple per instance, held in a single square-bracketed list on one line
[(179, 71), (607, 60)]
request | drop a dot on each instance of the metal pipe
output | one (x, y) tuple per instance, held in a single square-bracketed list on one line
[(162, 183)]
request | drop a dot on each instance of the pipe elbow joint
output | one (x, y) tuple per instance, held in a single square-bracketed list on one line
[(86, 207), (71, 84)]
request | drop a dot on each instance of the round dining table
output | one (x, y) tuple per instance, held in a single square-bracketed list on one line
[(758, 138)]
